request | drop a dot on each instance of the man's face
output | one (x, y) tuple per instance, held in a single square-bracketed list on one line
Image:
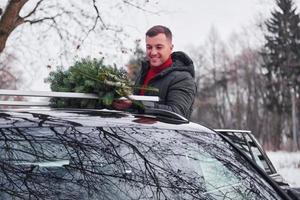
[(158, 49)]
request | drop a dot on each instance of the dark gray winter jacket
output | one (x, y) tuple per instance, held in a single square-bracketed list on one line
[(176, 85)]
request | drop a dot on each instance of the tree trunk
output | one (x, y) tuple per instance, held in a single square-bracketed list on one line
[(10, 20)]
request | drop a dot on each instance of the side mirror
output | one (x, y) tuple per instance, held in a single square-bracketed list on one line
[(280, 180)]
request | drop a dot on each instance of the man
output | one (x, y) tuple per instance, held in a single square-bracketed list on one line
[(171, 73)]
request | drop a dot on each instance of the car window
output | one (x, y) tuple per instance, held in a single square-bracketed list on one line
[(123, 163)]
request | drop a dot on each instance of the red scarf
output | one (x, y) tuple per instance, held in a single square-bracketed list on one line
[(153, 71)]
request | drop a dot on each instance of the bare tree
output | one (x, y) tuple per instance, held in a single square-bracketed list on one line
[(211, 102), (62, 16), (231, 89)]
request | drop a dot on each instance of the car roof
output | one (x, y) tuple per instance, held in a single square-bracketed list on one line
[(37, 117)]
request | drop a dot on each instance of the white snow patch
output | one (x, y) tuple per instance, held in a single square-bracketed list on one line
[(288, 165)]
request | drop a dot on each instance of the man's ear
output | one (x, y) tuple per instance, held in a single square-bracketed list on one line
[(172, 46)]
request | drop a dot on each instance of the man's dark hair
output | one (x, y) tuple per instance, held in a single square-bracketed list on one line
[(155, 30)]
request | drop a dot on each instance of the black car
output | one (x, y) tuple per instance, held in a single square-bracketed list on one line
[(106, 154)]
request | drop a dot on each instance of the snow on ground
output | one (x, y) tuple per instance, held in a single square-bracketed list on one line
[(288, 165)]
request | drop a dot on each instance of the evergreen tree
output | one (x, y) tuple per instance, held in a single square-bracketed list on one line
[(281, 56)]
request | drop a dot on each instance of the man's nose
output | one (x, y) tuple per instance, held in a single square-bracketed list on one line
[(153, 51)]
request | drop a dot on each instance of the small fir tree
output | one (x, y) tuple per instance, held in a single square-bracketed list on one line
[(134, 64), (90, 76)]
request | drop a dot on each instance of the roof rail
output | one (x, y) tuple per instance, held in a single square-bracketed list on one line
[(59, 95), (163, 114), (23, 103)]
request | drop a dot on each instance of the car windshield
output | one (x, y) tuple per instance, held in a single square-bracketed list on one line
[(123, 163)]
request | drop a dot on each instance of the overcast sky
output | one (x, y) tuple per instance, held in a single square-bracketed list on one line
[(191, 20)]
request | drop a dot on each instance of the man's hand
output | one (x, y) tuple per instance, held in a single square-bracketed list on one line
[(122, 104)]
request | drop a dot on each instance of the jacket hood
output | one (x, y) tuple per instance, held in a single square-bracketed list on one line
[(181, 62)]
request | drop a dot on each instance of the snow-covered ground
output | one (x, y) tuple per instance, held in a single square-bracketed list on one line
[(288, 165)]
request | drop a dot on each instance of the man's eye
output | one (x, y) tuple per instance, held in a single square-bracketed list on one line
[(159, 47), (149, 48)]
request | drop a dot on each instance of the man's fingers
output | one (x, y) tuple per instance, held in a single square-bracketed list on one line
[(121, 104)]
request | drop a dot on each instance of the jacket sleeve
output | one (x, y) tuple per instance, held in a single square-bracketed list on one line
[(180, 96)]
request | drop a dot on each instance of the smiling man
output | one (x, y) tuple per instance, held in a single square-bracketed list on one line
[(171, 73), (165, 74)]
